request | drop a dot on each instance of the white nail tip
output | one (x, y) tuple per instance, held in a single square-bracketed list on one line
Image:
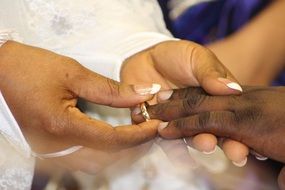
[(164, 95), (240, 164), (162, 126), (261, 158), (137, 111), (234, 86), (210, 152), (155, 88)]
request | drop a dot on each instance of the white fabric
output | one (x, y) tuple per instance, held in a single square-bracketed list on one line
[(100, 34), (177, 7), (88, 31), (10, 129), (7, 34)]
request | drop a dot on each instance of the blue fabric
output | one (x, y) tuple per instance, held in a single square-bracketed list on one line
[(210, 21)]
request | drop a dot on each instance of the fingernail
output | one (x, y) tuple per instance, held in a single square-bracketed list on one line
[(211, 151), (260, 157), (241, 163), (162, 126), (136, 111), (230, 84), (147, 89), (164, 95)]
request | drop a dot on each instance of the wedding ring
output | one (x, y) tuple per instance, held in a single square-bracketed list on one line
[(144, 112)]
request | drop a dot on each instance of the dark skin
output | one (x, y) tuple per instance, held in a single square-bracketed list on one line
[(255, 118)]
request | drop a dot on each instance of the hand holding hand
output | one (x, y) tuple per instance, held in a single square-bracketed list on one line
[(178, 64), (255, 118), (42, 90)]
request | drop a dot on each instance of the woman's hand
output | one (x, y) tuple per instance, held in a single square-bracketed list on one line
[(178, 64), (41, 89)]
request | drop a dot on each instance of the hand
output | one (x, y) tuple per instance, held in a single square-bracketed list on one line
[(42, 89), (178, 64), (255, 118)]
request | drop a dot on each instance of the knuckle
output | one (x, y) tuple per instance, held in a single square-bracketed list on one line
[(157, 111), (70, 60), (181, 125), (197, 51), (192, 103), (112, 90), (162, 111), (203, 120), (248, 115), (188, 92)]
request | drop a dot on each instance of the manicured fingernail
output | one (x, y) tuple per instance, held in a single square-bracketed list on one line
[(162, 126), (211, 151), (147, 89), (260, 157), (241, 163), (230, 84), (164, 95), (136, 111)]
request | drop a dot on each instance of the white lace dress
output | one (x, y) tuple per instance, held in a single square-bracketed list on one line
[(100, 34)]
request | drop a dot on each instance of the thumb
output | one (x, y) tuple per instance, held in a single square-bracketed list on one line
[(185, 63), (101, 90), (211, 74)]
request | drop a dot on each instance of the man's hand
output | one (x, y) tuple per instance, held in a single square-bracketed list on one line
[(255, 118), (178, 64), (42, 89)]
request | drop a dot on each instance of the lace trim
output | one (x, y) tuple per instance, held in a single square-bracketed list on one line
[(15, 178), (16, 170), (56, 21)]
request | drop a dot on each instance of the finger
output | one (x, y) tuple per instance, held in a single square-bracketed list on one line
[(101, 90), (88, 132), (236, 152), (205, 142), (258, 156), (220, 123), (217, 123), (193, 102), (212, 75), (281, 179), (195, 65), (178, 94)]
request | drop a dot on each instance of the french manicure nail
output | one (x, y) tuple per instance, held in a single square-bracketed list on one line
[(260, 157), (241, 163), (136, 111), (211, 151), (162, 126), (164, 95), (147, 89), (230, 84)]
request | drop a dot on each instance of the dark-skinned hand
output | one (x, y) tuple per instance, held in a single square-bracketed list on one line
[(256, 118)]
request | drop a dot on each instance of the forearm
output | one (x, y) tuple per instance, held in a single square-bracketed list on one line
[(255, 54)]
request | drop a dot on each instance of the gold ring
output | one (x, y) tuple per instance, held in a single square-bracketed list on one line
[(144, 112)]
